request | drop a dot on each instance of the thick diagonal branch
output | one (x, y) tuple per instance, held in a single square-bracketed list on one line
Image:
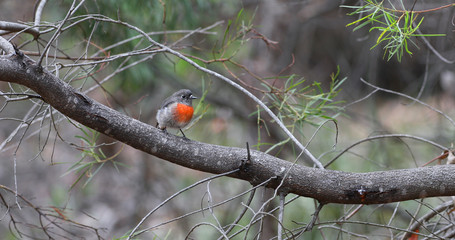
[(327, 186)]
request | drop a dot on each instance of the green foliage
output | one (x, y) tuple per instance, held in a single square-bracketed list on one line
[(94, 156), (396, 27), (234, 35), (298, 104)]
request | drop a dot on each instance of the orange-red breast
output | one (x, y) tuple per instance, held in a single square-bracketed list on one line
[(176, 111)]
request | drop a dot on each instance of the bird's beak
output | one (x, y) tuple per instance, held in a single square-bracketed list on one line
[(193, 97)]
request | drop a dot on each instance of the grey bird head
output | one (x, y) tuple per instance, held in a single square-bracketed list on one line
[(184, 96)]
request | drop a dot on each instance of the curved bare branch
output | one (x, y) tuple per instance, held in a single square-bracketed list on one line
[(327, 186), (6, 46)]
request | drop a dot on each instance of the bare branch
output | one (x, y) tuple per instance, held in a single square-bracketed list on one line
[(426, 218), (411, 98), (326, 186), (386, 136), (9, 27), (172, 197), (49, 219), (430, 47), (38, 12), (6, 46), (57, 32), (280, 215), (45, 83), (252, 190)]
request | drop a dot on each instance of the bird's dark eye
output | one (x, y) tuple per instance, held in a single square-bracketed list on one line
[(183, 96)]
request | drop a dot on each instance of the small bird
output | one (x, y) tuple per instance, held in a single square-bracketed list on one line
[(176, 111)]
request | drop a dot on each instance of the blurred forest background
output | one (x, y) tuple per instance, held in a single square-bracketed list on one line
[(307, 40)]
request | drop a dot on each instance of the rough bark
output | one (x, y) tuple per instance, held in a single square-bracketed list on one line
[(327, 186)]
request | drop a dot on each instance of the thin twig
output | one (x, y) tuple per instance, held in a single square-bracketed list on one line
[(208, 224), (411, 98), (73, 8), (425, 218), (280, 215), (210, 206), (385, 136), (173, 196), (240, 216), (206, 208)]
